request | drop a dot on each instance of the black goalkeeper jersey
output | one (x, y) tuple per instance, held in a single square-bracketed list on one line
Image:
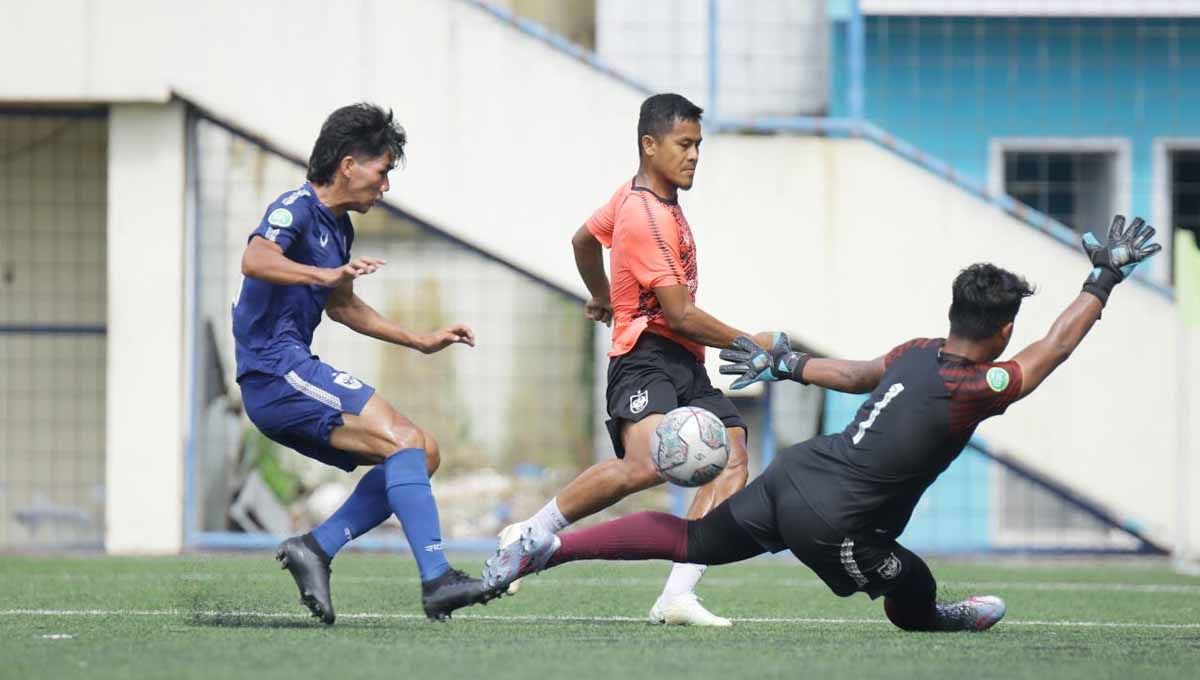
[(867, 479)]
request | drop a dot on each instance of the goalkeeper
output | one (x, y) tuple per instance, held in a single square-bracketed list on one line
[(839, 501)]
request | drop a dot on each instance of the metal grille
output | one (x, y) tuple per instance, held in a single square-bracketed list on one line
[(52, 341)]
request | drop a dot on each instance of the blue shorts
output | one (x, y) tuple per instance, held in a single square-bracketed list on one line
[(301, 408)]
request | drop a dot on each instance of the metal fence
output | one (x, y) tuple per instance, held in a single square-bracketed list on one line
[(53, 303)]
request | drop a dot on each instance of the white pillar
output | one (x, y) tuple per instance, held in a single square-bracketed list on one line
[(146, 358)]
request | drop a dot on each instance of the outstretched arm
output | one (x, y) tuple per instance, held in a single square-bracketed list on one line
[(1112, 262), (589, 260), (351, 311), (754, 364), (693, 323), (1039, 360), (843, 375)]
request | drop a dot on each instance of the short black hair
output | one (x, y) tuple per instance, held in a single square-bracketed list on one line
[(659, 113), (361, 130), (986, 298)]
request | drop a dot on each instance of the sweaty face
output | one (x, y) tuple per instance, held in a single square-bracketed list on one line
[(367, 181), (676, 154)]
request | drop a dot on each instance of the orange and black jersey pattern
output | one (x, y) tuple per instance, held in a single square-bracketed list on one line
[(869, 477), (651, 246)]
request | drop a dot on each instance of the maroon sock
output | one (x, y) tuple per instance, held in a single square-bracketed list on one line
[(641, 536)]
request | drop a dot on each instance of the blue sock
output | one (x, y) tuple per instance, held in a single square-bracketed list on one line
[(411, 498), (364, 510)]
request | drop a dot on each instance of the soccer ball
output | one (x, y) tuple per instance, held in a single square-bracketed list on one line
[(689, 446)]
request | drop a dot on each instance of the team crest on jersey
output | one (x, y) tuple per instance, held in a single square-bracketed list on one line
[(890, 568), (280, 217), (638, 401), (997, 378), (346, 380)]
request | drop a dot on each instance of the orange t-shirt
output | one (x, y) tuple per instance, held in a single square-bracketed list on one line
[(652, 246)]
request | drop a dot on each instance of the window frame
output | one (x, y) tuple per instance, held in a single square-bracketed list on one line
[(1120, 147), (1163, 271)]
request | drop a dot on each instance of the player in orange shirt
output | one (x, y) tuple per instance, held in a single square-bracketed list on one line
[(658, 340)]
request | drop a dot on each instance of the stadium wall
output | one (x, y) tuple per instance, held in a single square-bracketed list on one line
[(954, 85), (513, 143)]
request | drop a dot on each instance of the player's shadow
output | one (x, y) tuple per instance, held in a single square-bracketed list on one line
[(205, 606), (210, 619)]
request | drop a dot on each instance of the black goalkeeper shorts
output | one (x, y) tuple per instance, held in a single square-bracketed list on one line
[(657, 376), (774, 512)]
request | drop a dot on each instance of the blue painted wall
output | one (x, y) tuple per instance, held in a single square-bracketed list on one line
[(949, 84)]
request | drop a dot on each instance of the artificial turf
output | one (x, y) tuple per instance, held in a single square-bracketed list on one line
[(234, 616)]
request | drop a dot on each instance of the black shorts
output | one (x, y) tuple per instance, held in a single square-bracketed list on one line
[(772, 510), (656, 376)]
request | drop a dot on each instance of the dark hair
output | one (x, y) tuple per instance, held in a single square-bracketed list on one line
[(986, 298), (360, 130), (659, 113)]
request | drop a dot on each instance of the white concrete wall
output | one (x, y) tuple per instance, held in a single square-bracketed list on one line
[(890, 238), (494, 116), (146, 387), (514, 143)]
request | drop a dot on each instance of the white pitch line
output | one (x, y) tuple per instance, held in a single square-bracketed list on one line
[(555, 619), (633, 581)]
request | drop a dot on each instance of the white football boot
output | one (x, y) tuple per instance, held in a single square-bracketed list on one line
[(527, 555), (509, 535), (685, 610), (974, 613)]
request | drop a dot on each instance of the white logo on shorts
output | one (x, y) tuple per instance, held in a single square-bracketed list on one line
[(638, 401), (324, 239), (346, 380), (890, 568)]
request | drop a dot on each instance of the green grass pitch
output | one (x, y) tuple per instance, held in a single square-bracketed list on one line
[(221, 616)]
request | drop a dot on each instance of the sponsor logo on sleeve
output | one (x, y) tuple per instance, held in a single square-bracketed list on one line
[(280, 217), (272, 234), (997, 378)]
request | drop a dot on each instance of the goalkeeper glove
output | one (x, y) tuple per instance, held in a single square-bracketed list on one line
[(754, 364), (1115, 259)]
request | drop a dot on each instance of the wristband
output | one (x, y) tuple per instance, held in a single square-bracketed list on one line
[(792, 366), (1101, 282)]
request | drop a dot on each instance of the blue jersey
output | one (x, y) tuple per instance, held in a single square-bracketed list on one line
[(272, 324)]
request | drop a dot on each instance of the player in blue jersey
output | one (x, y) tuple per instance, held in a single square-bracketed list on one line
[(297, 264)]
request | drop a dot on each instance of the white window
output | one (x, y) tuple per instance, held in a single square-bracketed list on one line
[(1080, 182)]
